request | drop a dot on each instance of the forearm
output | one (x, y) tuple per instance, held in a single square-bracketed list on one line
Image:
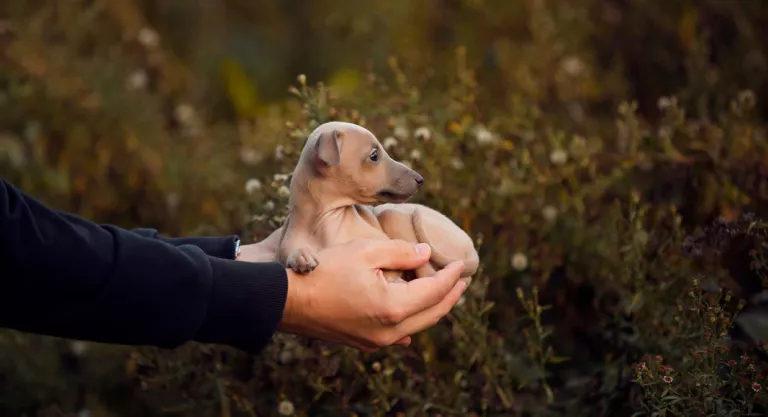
[(65, 276)]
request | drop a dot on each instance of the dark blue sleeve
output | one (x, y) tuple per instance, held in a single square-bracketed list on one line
[(64, 276), (220, 247)]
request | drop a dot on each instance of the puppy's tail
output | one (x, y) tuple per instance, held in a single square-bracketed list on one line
[(448, 241)]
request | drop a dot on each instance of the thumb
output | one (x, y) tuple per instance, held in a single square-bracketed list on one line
[(396, 254)]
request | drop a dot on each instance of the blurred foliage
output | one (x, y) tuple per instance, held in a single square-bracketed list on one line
[(609, 156)]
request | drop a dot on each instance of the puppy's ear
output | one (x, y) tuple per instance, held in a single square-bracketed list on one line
[(328, 149)]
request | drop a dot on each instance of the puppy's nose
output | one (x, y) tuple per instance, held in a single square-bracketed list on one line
[(419, 180)]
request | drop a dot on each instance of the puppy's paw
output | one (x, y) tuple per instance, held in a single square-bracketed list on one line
[(302, 261)]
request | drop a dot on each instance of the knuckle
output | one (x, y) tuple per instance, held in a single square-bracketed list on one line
[(394, 315), (390, 314)]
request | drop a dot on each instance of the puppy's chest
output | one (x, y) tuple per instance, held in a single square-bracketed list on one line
[(357, 224)]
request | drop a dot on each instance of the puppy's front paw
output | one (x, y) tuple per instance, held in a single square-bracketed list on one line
[(302, 261)]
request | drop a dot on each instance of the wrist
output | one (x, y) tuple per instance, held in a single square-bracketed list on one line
[(295, 305), (256, 252)]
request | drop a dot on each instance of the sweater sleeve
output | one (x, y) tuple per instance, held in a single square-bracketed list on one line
[(220, 247), (64, 276)]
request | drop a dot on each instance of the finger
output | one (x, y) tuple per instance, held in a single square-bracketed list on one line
[(420, 294), (406, 341), (396, 254), (367, 344), (431, 316)]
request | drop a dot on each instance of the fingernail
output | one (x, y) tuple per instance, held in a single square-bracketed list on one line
[(422, 249)]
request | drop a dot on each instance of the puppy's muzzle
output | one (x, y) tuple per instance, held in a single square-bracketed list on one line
[(419, 180), (405, 184)]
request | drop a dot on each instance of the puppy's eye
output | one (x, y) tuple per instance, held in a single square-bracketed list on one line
[(374, 155)]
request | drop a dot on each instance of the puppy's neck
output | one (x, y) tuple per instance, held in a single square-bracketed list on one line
[(314, 198)]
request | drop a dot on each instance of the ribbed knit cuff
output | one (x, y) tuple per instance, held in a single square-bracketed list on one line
[(246, 304), (220, 247)]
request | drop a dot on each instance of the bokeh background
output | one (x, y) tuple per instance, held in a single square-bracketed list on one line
[(609, 156)]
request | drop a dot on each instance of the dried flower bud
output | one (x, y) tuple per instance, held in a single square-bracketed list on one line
[(747, 99), (286, 408), (423, 133), (519, 261), (389, 143), (137, 80), (252, 185), (558, 157), (148, 37), (549, 213), (400, 132), (664, 103)]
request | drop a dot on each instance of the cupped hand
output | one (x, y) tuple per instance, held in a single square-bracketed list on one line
[(347, 299)]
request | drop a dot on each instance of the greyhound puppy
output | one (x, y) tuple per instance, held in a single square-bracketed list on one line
[(345, 186)]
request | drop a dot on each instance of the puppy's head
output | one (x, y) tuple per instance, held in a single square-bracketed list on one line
[(352, 165)]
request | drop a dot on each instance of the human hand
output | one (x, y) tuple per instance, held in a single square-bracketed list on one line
[(347, 299)]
